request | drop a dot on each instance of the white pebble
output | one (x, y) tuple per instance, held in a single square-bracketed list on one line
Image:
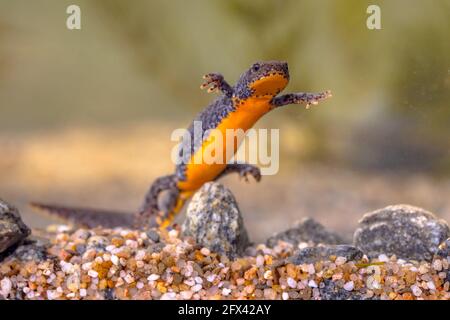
[(86, 266), (371, 283), (437, 265), (140, 255), (5, 285), (92, 273), (291, 283), (268, 275), (189, 270), (173, 233), (186, 295), (98, 260), (285, 296), (196, 288), (312, 284), (131, 243), (83, 292), (153, 277), (349, 286), (259, 261), (430, 285), (423, 269), (311, 269), (198, 280), (211, 277), (416, 290), (383, 258), (226, 291), (114, 259), (110, 248), (169, 296), (340, 261), (52, 294), (129, 278), (139, 285), (66, 267), (205, 251), (303, 245)]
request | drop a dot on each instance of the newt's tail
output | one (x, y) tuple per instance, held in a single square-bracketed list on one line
[(152, 214), (87, 217)]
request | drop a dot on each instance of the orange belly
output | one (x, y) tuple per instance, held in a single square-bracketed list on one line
[(202, 167)]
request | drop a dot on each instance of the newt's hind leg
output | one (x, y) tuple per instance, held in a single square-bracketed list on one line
[(171, 208), (149, 211)]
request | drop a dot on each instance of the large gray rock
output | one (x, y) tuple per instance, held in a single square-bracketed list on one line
[(320, 253), (12, 228), (406, 231), (306, 230), (213, 219)]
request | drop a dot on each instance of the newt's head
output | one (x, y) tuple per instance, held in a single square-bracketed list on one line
[(263, 79)]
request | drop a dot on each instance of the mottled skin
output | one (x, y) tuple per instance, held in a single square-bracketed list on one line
[(238, 107)]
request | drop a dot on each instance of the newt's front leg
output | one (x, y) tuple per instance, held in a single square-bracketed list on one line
[(217, 82), (243, 169), (298, 98)]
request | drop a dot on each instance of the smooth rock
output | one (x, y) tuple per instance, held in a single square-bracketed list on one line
[(319, 253), (12, 228), (153, 235), (306, 230), (406, 231), (214, 220)]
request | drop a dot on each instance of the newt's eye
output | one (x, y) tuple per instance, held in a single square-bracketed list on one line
[(256, 67)]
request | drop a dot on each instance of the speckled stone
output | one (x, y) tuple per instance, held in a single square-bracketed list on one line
[(31, 250), (406, 231), (306, 230), (12, 228), (213, 219), (314, 254), (329, 291)]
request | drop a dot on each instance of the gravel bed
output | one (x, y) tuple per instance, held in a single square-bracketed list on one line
[(130, 264)]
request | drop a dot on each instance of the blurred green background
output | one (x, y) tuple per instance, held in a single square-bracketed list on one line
[(94, 108)]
